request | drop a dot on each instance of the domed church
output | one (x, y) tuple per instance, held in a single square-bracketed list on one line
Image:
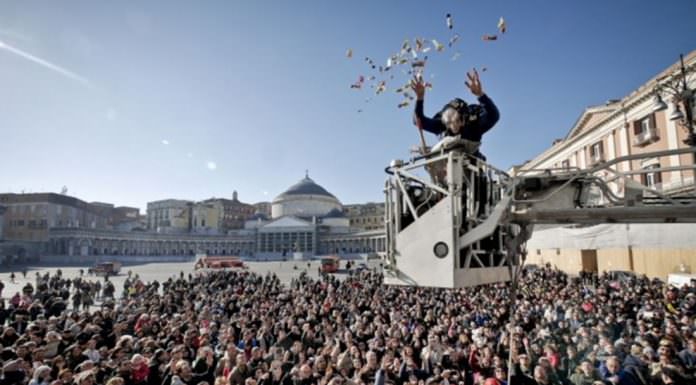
[(305, 199), (300, 216)]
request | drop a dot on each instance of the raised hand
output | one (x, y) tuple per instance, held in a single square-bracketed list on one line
[(418, 87), (474, 83)]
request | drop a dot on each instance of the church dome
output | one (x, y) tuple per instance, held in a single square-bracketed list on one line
[(305, 199), (306, 187)]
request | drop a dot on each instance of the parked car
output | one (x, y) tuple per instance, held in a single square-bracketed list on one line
[(361, 267), (329, 264), (106, 268)]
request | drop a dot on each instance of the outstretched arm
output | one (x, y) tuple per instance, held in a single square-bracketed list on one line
[(490, 114), (422, 121)]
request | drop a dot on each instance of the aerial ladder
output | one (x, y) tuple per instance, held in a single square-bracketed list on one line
[(453, 220)]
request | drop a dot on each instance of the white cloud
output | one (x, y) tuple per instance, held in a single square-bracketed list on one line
[(211, 165), (165, 142)]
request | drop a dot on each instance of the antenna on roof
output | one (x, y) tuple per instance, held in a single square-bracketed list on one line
[(306, 173), (64, 190)]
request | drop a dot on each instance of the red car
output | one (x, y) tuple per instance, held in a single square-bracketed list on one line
[(219, 262)]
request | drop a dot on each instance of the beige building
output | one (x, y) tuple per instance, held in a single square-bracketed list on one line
[(235, 213), (365, 217), (220, 215), (171, 216), (626, 126), (206, 217), (28, 216)]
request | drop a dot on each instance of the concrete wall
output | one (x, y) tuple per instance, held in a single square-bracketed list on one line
[(661, 262), (614, 259), (567, 260), (653, 262)]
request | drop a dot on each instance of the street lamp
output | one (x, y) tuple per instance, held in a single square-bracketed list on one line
[(682, 96), (676, 114), (658, 103)]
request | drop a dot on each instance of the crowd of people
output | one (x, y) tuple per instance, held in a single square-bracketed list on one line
[(241, 328)]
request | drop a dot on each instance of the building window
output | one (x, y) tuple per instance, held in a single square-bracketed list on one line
[(652, 179), (643, 125), (597, 152), (565, 164), (645, 130)]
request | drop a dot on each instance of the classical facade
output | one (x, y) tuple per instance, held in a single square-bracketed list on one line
[(634, 124), (626, 126), (88, 242), (301, 217), (307, 220)]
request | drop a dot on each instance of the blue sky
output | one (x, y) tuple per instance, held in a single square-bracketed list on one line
[(136, 99)]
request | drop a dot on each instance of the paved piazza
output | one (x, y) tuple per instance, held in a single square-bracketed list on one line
[(160, 272)]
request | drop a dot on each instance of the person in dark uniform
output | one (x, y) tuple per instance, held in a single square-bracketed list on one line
[(457, 118), (463, 121)]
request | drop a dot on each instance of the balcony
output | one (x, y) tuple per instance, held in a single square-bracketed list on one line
[(646, 137)]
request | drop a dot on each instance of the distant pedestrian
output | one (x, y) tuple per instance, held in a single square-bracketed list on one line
[(77, 299)]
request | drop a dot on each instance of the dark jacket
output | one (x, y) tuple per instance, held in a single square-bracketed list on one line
[(488, 115), (154, 377), (635, 372)]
